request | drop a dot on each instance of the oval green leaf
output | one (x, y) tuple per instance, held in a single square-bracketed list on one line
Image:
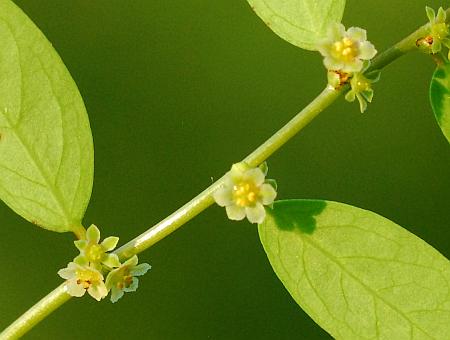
[(440, 98), (46, 150), (301, 22), (357, 274)]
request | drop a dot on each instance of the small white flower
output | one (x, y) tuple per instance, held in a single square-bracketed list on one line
[(344, 50), (245, 193), (84, 278)]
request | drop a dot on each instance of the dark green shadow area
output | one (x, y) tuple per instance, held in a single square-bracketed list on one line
[(438, 91), (297, 214)]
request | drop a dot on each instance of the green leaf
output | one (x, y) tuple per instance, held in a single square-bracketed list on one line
[(46, 150), (357, 274), (300, 22), (440, 98)]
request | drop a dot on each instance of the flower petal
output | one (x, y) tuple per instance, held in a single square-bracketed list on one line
[(350, 96), (111, 260), (368, 95), (367, 50), (437, 46), (362, 103), (267, 193), (110, 243), (80, 244), (98, 291), (71, 268), (131, 262), (333, 64), (223, 196), (255, 175), (74, 289), (133, 286), (337, 31), (324, 47), (235, 213), (111, 279), (140, 270), (431, 14), (93, 234), (357, 34), (67, 273), (256, 214), (81, 260), (273, 183), (264, 168), (236, 172), (441, 16), (116, 294), (353, 67)]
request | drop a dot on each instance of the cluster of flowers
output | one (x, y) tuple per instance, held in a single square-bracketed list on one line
[(347, 55), (245, 192), (439, 32), (86, 271)]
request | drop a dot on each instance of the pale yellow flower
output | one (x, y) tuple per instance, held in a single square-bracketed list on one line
[(439, 30), (245, 193), (361, 88), (123, 279), (94, 253), (82, 279), (345, 51)]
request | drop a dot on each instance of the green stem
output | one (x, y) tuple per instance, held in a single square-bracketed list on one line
[(36, 313), (79, 232), (406, 45), (202, 201)]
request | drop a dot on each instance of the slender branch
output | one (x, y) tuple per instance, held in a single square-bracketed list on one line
[(36, 313), (202, 201), (322, 101), (399, 49)]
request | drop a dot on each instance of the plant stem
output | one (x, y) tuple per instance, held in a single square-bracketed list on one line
[(406, 45), (202, 201), (36, 313), (79, 232), (263, 152)]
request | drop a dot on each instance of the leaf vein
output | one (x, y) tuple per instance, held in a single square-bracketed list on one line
[(368, 288)]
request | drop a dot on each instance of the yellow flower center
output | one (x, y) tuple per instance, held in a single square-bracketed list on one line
[(361, 84), (86, 277), (124, 279), (245, 194), (125, 283), (95, 253), (346, 49), (439, 31)]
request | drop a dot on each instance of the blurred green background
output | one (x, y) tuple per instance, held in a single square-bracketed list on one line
[(176, 92)]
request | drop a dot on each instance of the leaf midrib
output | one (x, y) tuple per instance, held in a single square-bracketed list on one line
[(53, 190), (31, 154)]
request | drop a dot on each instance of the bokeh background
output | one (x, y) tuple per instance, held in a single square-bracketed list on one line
[(176, 92)]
